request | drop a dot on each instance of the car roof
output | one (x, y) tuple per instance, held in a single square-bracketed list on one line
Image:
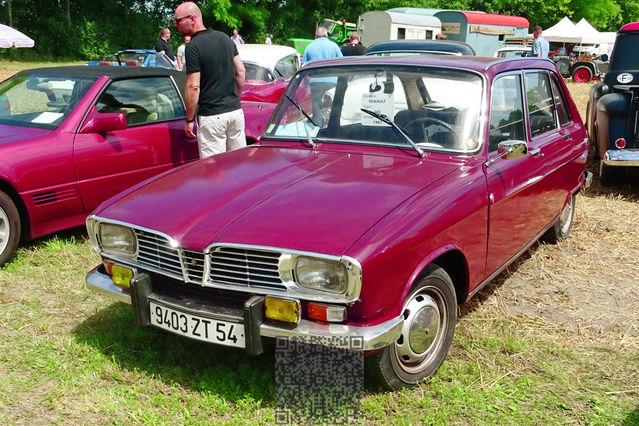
[(480, 64), (264, 54), (445, 46), (113, 73)]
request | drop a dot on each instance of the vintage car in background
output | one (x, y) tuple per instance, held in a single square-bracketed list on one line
[(509, 52), (71, 137), (136, 58), (419, 47), (365, 222), (613, 109), (269, 68)]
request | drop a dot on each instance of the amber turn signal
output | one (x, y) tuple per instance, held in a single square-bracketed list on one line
[(282, 309), (120, 275)]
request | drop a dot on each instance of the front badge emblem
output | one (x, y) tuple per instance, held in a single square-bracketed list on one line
[(624, 78)]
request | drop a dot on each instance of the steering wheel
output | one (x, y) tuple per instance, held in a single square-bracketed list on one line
[(426, 122)]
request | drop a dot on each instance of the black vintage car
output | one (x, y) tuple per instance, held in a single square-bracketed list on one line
[(419, 47), (613, 106)]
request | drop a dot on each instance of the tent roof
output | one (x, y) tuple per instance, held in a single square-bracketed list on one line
[(563, 31), (12, 37)]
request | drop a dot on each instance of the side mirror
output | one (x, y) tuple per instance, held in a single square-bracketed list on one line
[(97, 122), (512, 149)]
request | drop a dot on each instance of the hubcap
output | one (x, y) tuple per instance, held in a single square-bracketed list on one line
[(4, 230), (422, 330)]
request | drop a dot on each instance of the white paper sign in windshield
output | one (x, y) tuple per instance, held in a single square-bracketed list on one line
[(379, 102)]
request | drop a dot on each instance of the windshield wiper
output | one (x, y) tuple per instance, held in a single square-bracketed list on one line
[(385, 119), (305, 114)]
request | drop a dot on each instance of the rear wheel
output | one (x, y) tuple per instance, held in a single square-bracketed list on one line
[(9, 228), (560, 230), (582, 74), (430, 316)]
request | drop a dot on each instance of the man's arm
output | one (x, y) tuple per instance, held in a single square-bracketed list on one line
[(192, 93), (240, 73)]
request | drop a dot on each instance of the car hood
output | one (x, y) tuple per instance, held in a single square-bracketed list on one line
[(9, 134), (301, 199)]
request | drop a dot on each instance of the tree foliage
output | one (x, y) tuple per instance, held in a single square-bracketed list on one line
[(88, 29)]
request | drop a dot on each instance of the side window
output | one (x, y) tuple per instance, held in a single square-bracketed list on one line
[(560, 103), (142, 100), (541, 107), (506, 111), (286, 67)]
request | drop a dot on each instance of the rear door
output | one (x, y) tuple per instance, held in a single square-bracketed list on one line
[(154, 141)]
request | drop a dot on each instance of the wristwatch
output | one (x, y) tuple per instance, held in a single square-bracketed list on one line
[(190, 121)]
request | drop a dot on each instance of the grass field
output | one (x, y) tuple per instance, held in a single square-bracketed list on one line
[(552, 340)]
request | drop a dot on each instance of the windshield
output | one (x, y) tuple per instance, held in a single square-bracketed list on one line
[(437, 108), (40, 100), (256, 74)]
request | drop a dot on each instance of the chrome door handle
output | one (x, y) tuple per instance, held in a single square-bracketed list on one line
[(535, 151)]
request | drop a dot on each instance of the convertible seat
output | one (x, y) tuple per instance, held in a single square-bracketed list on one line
[(132, 63)]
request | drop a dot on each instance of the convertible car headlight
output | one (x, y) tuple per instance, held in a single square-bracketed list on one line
[(117, 239), (321, 274)]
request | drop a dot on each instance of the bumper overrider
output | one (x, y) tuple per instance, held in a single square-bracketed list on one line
[(210, 319), (621, 158)]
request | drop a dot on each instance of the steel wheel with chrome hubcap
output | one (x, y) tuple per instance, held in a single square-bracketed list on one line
[(430, 316), (9, 228)]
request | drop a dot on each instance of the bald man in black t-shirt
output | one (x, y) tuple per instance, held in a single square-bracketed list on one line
[(215, 79)]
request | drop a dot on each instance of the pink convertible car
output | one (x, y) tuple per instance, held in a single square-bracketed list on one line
[(384, 192)]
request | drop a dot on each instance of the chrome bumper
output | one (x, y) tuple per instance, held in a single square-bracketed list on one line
[(621, 158), (337, 335)]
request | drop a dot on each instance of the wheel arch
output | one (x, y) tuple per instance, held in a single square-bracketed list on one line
[(8, 189), (455, 264)]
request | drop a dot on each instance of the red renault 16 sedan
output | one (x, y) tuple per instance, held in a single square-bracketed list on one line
[(385, 191)]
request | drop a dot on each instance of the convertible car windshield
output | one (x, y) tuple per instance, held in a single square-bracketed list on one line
[(40, 100), (438, 109)]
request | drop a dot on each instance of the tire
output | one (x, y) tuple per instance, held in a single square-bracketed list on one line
[(563, 65), (609, 175), (582, 74), (430, 313), (9, 228), (561, 229)]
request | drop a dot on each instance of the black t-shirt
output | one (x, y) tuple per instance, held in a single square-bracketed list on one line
[(350, 49), (161, 44), (211, 54)]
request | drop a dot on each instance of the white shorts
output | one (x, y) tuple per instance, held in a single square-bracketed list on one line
[(220, 133)]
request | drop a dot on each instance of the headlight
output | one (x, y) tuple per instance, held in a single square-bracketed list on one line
[(117, 239), (321, 274)]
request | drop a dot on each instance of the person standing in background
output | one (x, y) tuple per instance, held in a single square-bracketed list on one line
[(163, 45), (237, 38), (181, 59), (320, 48), (354, 47), (215, 79), (541, 47), (269, 39)]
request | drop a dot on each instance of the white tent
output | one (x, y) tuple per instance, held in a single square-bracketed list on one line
[(589, 34), (11, 37), (564, 31)]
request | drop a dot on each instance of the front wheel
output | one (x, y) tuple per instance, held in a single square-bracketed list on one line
[(9, 228), (430, 316), (582, 74), (560, 230)]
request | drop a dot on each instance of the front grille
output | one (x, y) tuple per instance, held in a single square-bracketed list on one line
[(228, 266), (156, 252), (252, 268)]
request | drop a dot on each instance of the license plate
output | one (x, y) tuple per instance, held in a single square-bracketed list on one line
[(195, 327)]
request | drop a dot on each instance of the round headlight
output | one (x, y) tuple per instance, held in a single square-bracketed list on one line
[(117, 239), (321, 274)]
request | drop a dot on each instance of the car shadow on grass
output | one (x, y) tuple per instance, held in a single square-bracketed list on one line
[(198, 366), (632, 419)]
